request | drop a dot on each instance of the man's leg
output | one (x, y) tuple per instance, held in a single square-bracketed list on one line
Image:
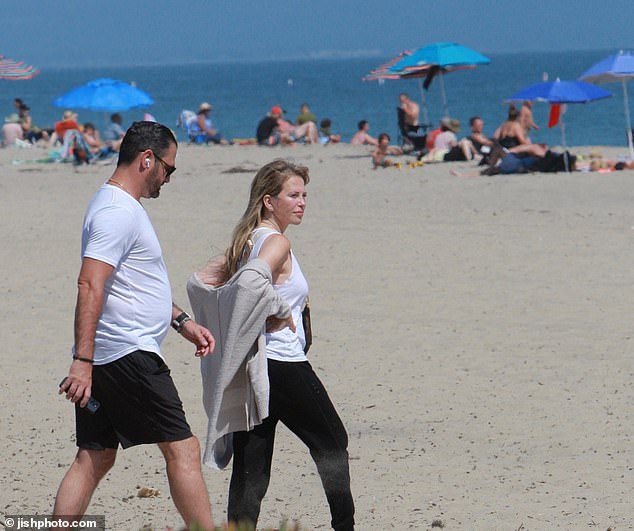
[(187, 486), (81, 480), (312, 133)]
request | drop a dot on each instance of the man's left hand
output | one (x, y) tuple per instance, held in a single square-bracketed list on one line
[(199, 336)]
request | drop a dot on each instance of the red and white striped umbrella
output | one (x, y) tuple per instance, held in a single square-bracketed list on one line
[(14, 70)]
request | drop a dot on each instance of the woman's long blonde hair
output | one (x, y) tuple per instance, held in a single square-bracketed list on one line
[(269, 180)]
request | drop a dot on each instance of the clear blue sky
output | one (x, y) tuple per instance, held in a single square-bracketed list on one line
[(117, 32)]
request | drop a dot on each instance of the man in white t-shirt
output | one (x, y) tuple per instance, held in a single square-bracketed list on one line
[(118, 380)]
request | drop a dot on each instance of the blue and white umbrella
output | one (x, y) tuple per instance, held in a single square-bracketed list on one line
[(616, 68), (105, 95)]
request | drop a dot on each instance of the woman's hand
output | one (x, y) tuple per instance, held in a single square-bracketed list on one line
[(199, 336)]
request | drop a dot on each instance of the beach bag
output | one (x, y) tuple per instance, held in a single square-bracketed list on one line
[(308, 328), (555, 162)]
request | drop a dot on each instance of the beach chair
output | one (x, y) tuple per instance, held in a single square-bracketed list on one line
[(74, 149), (187, 122), (411, 138)]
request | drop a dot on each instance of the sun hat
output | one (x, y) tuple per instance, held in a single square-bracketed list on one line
[(451, 123), (204, 106), (12, 119), (68, 115)]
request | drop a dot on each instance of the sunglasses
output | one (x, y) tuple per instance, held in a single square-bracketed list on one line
[(166, 167)]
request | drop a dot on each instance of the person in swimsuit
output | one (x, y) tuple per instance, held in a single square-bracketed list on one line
[(380, 154), (511, 133)]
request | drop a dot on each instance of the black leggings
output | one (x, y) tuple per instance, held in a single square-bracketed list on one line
[(301, 402)]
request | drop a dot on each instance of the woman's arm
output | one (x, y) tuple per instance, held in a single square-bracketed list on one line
[(276, 252)]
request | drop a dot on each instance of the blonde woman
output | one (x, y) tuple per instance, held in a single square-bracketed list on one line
[(297, 397)]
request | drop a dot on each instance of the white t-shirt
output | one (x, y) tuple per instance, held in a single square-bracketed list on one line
[(137, 307), (445, 140), (286, 345)]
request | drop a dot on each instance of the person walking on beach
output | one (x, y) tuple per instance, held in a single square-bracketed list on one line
[(123, 312), (297, 397)]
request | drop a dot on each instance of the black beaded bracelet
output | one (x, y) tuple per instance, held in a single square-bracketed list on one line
[(80, 358)]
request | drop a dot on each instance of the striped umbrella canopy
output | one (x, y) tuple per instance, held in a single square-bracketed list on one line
[(14, 70), (384, 71)]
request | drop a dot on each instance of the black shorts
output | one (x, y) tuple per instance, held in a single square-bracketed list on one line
[(454, 154), (139, 405)]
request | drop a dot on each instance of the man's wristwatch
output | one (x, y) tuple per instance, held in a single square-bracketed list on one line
[(179, 321)]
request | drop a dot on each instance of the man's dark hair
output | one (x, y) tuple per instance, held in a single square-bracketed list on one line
[(142, 136), (473, 119), (361, 124), (115, 117)]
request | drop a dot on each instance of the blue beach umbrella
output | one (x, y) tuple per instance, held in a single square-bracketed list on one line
[(442, 54), (616, 68), (105, 95), (561, 92)]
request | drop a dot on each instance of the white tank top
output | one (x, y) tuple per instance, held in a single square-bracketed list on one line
[(285, 345)]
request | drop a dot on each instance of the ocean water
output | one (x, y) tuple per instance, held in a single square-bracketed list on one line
[(243, 92)]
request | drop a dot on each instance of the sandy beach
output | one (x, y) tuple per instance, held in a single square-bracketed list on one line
[(474, 334)]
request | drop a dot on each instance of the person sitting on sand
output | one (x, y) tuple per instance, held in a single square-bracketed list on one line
[(267, 131), (447, 148), (67, 123), (306, 115), (526, 118), (115, 132), (383, 149), (11, 130), (511, 133), (326, 135), (95, 144), (92, 138), (431, 137), (289, 133), (477, 137), (361, 137), (31, 132), (202, 129)]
